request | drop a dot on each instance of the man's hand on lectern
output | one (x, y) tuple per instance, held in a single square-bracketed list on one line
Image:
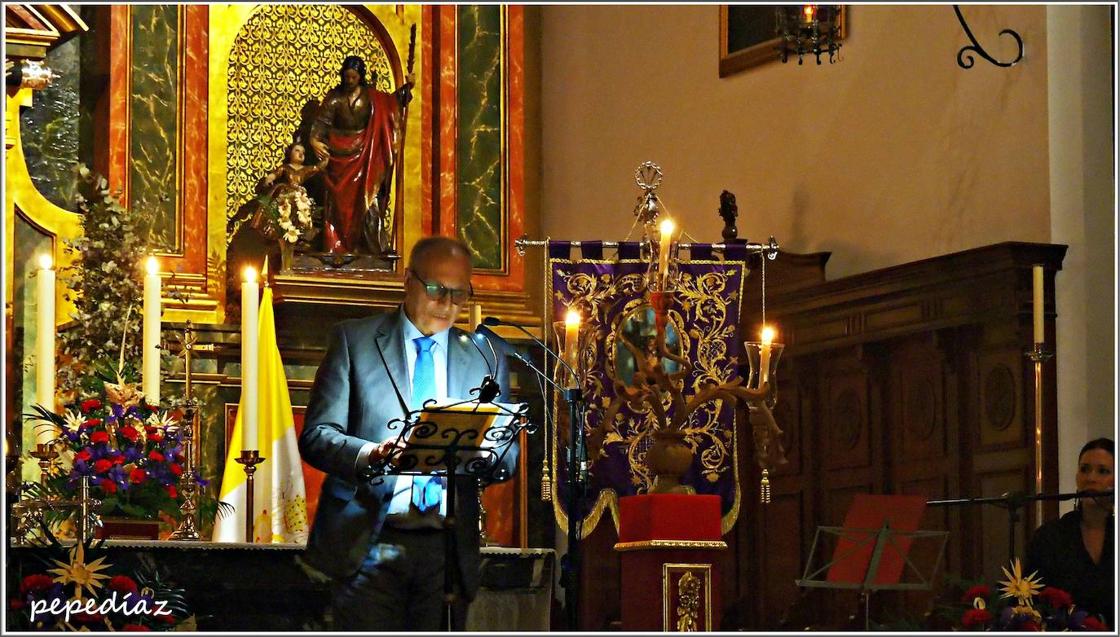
[(384, 450)]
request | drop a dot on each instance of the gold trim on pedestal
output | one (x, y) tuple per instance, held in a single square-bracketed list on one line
[(711, 545), (688, 620)]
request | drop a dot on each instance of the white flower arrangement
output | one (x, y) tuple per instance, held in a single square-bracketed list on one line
[(292, 212)]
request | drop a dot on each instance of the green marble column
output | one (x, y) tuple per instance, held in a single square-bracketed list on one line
[(480, 146)]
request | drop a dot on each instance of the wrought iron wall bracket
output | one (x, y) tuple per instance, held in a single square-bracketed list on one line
[(965, 58)]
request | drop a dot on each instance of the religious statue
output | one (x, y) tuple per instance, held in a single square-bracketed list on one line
[(729, 211), (359, 131), (285, 210)]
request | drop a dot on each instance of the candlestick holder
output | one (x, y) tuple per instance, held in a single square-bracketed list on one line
[(757, 376), (571, 353), (188, 484), (250, 458), (1038, 355), (657, 280), (28, 514), (46, 455)]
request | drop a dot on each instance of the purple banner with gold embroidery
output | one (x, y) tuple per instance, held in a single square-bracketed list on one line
[(702, 328)]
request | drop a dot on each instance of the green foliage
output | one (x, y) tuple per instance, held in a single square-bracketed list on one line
[(105, 284)]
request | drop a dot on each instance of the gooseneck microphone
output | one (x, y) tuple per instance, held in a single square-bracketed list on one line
[(483, 332), (489, 389), (490, 321)]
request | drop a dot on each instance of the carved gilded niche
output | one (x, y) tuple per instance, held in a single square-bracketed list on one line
[(270, 64)]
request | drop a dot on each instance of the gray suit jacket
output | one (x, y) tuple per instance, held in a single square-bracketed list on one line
[(352, 402)]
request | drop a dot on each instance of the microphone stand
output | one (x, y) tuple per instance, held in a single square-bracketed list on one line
[(1015, 501), (577, 472)]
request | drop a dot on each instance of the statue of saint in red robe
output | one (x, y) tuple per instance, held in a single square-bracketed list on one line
[(358, 128)]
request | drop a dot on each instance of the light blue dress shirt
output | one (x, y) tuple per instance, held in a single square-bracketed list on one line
[(402, 492)]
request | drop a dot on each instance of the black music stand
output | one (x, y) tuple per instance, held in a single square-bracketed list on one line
[(872, 551), (461, 438)]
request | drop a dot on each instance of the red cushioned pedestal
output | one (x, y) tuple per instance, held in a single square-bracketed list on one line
[(670, 547)]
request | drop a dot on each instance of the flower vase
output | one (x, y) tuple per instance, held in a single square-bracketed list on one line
[(668, 460), (286, 252)]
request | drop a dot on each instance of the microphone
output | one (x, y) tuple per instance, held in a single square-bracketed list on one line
[(493, 320), (489, 389), (484, 332)]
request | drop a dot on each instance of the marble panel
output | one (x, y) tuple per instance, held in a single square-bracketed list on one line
[(480, 134), (154, 110), (49, 129)]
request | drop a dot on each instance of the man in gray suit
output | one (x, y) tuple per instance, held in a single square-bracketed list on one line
[(380, 537)]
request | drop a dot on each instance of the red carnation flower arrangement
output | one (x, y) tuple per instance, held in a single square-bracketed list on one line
[(1022, 603)]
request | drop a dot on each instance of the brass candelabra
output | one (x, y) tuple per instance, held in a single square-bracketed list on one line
[(189, 431), (27, 513), (671, 456)]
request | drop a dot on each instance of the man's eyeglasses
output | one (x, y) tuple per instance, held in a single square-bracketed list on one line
[(438, 292)]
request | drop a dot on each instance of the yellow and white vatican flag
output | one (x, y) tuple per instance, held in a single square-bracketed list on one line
[(279, 498)]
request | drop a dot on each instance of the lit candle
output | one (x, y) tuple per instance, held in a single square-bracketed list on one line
[(152, 310), (249, 359), (764, 355), (807, 12), (667, 228), (1039, 328), (476, 315), (44, 345), (571, 339)]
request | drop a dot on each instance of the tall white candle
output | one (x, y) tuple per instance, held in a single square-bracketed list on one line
[(764, 355), (152, 312), (250, 304), (44, 344), (1039, 328), (667, 228)]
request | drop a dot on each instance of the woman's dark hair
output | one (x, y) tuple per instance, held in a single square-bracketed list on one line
[(1099, 443), (352, 62)]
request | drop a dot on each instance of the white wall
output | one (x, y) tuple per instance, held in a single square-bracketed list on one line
[(1082, 187), (893, 154)]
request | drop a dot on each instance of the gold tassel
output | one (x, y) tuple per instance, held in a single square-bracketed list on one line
[(546, 484), (764, 487)]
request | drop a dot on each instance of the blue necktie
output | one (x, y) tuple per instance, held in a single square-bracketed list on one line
[(426, 490), (424, 374)]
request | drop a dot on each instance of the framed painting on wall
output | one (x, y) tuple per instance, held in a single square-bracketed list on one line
[(747, 35)]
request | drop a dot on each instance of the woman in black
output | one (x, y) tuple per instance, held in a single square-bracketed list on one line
[(1075, 552)]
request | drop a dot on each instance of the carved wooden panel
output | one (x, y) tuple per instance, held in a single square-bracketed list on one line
[(912, 380), (786, 534), (846, 438), (1000, 408)]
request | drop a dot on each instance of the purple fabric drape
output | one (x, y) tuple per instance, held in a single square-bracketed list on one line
[(704, 314)]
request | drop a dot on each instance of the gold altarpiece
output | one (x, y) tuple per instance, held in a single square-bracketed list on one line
[(237, 77)]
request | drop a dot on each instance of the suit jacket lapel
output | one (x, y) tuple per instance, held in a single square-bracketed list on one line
[(389, 339)]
